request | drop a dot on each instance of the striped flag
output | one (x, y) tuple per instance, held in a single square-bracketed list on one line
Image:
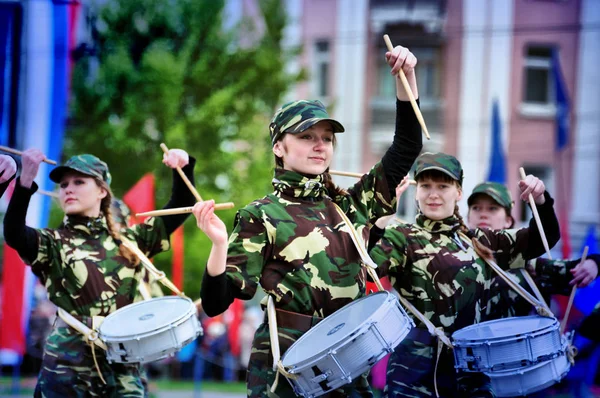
[(44, 53)]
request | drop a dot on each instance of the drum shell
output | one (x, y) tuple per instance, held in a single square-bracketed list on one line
[(524, 381), (509, 352), (347, 359), (154, 344)]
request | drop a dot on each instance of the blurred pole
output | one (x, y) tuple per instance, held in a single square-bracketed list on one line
[(198, 371)]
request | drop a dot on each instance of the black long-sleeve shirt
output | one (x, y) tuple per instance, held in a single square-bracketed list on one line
[(24, 239)]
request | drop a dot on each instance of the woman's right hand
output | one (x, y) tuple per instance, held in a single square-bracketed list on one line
[(209, 223), (30, 164)]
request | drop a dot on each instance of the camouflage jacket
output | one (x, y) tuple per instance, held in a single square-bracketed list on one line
[(293, 242), (439, 273), (82, 269)]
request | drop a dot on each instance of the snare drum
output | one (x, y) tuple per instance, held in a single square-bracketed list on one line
[(508, 343), (524, 381), (346, 344), (149, 330)]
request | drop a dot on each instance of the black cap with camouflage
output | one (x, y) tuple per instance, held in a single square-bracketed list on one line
[(86, 164), (295, 117), (439, 161)]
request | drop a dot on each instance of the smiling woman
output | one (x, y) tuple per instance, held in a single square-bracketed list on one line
[(86, 270)]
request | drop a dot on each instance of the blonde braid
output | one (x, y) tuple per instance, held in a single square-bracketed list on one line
[(105, 207), (482, 251)]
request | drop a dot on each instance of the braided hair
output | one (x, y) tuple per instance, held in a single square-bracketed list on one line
[(105, 208)]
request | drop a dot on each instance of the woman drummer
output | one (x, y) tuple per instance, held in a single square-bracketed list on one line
[(433, 264), (490, 206), (291, 241), (87, 271)]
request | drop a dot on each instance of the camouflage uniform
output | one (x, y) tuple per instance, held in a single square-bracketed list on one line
[(551, 276), (80, 265), (443, 277), (296, 246)]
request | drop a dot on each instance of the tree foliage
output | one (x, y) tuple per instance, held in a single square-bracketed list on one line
[(167, 71)]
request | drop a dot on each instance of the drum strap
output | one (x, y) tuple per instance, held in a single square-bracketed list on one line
[(370, 265), (540, 306), (157, 274), (91, 335), (274, 337)]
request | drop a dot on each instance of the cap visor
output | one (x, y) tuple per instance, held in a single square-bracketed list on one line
[(303, 125), (438, 169)]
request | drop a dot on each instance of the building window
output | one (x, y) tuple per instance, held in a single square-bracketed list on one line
[(321, 68), (538, 90)]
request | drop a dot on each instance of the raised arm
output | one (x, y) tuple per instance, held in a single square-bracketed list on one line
[(408, 139), (181, 196)]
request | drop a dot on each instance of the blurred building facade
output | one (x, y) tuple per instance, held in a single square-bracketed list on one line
[(470, 54)]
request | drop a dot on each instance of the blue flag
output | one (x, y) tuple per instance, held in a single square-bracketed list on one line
[(562, 103), (497, 169), (586, 298)]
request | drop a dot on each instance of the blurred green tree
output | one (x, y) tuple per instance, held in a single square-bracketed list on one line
[(168, 71)]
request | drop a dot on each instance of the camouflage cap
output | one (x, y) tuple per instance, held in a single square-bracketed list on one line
[(496, 191), (439, 161), (295, 117), (120, 212), (86, 164)]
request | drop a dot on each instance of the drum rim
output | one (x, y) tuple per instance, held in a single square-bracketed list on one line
[(353, 332), (464, 340), (176, 321)]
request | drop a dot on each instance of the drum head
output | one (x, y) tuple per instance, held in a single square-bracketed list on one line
[(506, 327), (334, 328), (145, 316)]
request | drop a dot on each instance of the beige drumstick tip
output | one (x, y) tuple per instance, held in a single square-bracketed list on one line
[(409, 92)]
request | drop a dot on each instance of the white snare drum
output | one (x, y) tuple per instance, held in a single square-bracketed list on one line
[(518, 382), (346, 344), (508, 343), (149, 330)]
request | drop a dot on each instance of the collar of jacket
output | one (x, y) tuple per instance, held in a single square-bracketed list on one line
[(87, 225), (450, 224), (296, 185)]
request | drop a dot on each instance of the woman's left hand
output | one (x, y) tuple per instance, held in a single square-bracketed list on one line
[(176, 158), (534, 186), (584, 273)]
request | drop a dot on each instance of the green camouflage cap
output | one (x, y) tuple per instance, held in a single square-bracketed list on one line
[(295, 117), (439, 161), (86, 164), (120, 212), (494, 190)]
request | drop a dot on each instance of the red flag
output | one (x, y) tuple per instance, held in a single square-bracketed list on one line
[(564, 234), (177, 247), (236, 310), (140, 197), (12, 331)]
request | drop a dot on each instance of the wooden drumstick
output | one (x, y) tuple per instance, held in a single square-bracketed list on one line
[(563, 324), (181, 210), (345, 173), (358, 175), (183, 176), (409, 92), (16, 152), (47, 193), (537, 217)]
